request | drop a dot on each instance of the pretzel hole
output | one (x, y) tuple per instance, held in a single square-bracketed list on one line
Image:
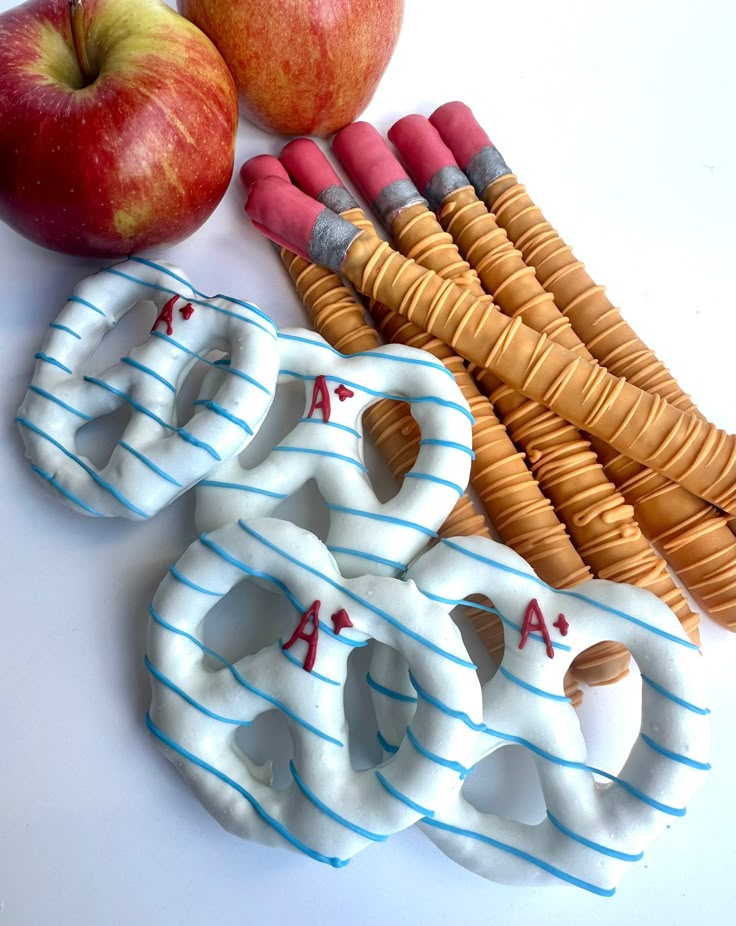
[(306, 508), (131, 330), (482, 635), (268, 741), (610, 719), (281, 419), (189, 386), (506, 783), (360, 714), (96, 439), (245, 621), (380, 462)]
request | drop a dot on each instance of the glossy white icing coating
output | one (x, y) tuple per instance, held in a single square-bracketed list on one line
[(155, 459), (593, 832), (329, 811), (326, 445)]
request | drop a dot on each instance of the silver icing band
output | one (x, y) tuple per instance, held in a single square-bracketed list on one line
[(445, 181), (485, 167), (394, 198), (330, 239), (337, 198)]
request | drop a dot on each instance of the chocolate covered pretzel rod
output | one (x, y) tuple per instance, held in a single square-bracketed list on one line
[(596, 515), (691, 535), (596, 321), (520, 513), (340, 319), (647, 428)]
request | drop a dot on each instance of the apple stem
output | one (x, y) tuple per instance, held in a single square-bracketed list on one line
[(76, 15)]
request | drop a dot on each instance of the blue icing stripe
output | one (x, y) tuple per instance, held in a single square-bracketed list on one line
[(434, 399), (434, 365), (216, 484), (52, 398), (180, 577), (366, 604), (66, 329), (79, 301), (453, 445), (271, 330), (389, 692), (571, 593), (102, 483), (266, 817), (223, 554), (450, 711), (534, 690), (526, 856), (148, 371), (240, 679), (371, 557), (328, 811), (675, 756), (65, 492), (385, 745), (375, 516), (640, 795), (462, 771), (224, 413), (46, 358), (331, 424), (430, 478), (596, 846), (189, 699), (666, 693), (196, 442), (394, 792), (166, 270), (293, 659), (322, 453), (149, 463), (210, 363)]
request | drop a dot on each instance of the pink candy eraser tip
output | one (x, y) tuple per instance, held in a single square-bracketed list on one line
[(283, 213), (367, 159), (309, 168), (421, 148), (460, 131), (263, 165)]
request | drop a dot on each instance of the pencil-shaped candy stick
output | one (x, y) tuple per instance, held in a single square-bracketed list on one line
[(340, 319), (596, 321), (691, 534), (648, 429), (599, 521), (521, 514)]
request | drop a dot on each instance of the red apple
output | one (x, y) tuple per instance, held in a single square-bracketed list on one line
[(117, 125), (302, 67)]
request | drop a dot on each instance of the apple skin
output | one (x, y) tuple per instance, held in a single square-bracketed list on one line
[(302, 67), (141, 156)]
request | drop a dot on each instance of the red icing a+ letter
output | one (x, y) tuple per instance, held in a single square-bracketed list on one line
[(320, 398), (166, 315), (311, 638), (534, 620)]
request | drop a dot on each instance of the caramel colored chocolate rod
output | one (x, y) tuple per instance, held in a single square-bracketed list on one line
[(600, 523), (647, 428), (691, 534), (592, 316)]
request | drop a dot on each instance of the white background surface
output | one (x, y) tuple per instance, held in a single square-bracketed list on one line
[(618, 116)]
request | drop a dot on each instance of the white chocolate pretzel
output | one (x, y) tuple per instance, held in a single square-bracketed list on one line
[(155, 459), (329, 811), (592, 832), (327, 445)]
